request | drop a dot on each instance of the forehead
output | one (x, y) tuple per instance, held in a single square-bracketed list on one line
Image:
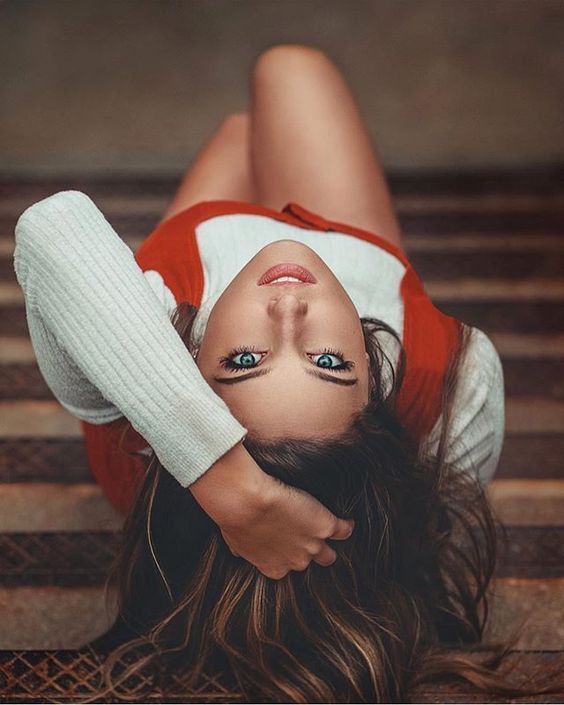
[(289, 402)]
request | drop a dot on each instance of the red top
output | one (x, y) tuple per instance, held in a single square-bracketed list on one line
[(429, 336)]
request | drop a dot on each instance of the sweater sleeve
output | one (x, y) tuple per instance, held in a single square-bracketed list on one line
[(477, 425), (104, 342)]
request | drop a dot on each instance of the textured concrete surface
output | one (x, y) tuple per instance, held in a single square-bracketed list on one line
[(509, 345), (48, 419), (537, 606), (528, 502), (42, 506), (66, 618), (56, 507), (458, 290), (137, 85), (42, 418), (52, 617)]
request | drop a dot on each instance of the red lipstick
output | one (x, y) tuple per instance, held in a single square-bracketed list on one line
[(287, 269)]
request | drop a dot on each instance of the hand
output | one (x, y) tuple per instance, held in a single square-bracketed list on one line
[(275, 527)]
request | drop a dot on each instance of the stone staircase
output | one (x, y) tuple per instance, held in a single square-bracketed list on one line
[(490, 249)]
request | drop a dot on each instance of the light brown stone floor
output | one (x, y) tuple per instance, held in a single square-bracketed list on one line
[(67, 618), (137, 85)]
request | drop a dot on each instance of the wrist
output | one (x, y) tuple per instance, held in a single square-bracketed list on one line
[(234, 490)]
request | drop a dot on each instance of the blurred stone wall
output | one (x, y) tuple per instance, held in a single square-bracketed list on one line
[(137, 85)]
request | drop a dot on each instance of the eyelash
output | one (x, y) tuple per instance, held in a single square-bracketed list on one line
[(228, 364)]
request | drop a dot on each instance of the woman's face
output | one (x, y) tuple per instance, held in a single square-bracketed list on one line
[(288, 358)]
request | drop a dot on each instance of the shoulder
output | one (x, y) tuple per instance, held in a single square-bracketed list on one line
[(481, 369), (477, 423)]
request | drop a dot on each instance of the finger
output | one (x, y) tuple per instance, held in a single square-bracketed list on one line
[(343, 529), (327, 556)]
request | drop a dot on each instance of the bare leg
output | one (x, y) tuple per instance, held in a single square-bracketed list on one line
[(310, 145), (221, 170)]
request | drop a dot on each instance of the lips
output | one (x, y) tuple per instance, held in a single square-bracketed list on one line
[(287, 269)]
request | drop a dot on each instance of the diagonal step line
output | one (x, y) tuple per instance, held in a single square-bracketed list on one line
[(421, 243), (63, 460), (465, 290), (48, 419), (78, 558), (148, 204), (497, 290), (509, 345), (39, 507), (523, 376)]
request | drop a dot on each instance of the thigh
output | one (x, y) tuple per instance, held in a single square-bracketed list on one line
[(310, 145), (221, 169)]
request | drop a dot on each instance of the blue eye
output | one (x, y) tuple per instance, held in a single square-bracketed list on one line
[(332, 360), (326, 360), (247, 358), (241, 359)]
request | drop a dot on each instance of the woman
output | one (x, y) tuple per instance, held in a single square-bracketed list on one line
[(325, 388)]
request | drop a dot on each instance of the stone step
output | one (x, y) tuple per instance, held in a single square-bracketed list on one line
[(511, 346), (145, 211), (446, 217), (411, 222), (502, 314), (83, 558), (542, 182), (523, 377), (152, 203), (56, 617), (48, 419), (36, 459), (428, 245), (74, 675), (490, 266), (462, 290), (43, 506), (544, 179)]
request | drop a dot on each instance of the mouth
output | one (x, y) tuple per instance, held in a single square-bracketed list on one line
[(287, 273)]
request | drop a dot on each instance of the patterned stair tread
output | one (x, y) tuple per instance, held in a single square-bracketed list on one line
[(523, 377), (83, 558), (67, 676), (490, 316), (543, 178), (64, 459), (44, 460), (489, 265), (411, 223)]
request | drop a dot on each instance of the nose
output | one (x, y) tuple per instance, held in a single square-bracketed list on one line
[(287, 310)]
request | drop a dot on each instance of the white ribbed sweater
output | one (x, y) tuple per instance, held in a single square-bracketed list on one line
[(101, 335), (105, 345)]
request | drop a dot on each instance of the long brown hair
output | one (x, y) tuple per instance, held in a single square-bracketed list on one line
[(407, 588)]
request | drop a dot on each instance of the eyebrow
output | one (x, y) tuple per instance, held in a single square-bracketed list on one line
[(260, 373)]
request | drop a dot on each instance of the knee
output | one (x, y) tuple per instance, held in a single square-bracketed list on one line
[(236, 123), (282, 58)]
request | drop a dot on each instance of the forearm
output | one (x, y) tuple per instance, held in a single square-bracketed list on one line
[(83, 286)]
